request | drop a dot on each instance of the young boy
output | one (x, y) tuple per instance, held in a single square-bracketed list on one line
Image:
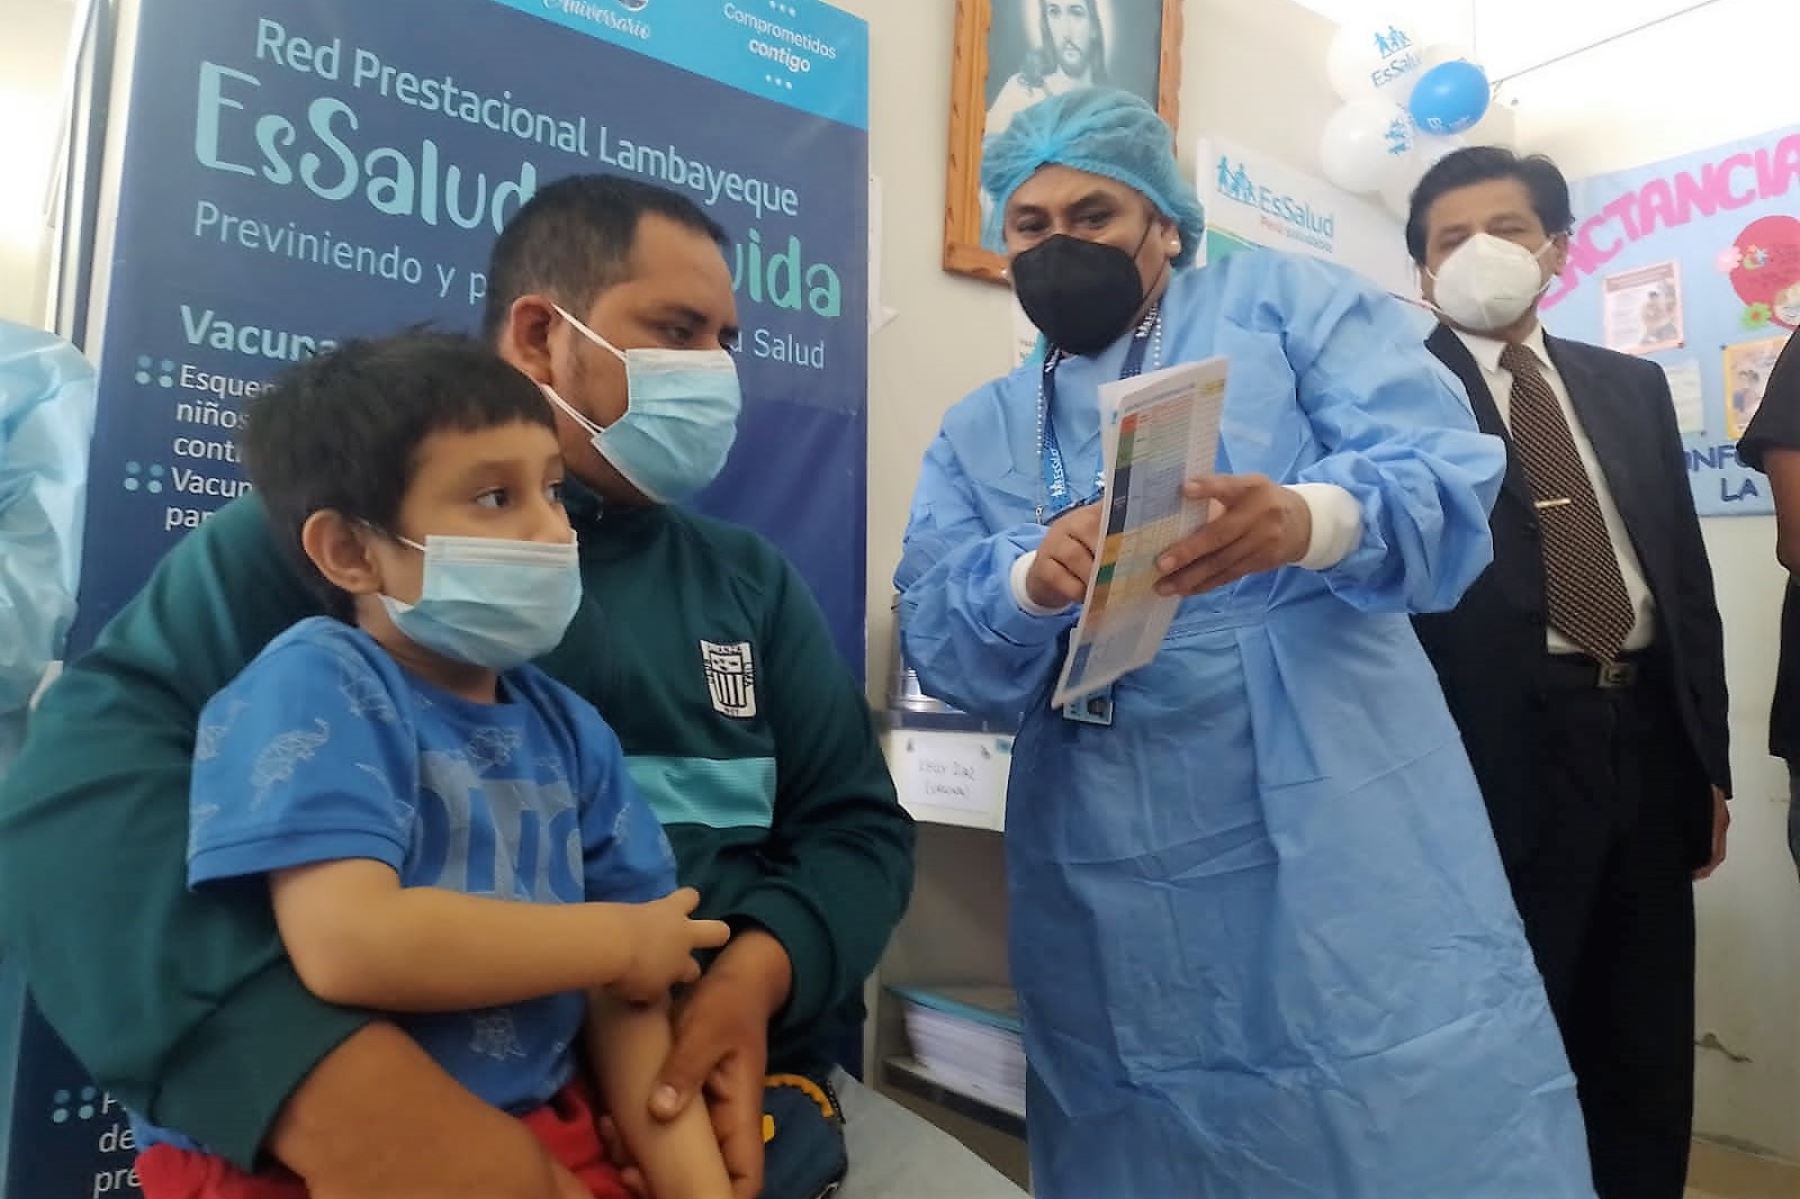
[(444, 832)]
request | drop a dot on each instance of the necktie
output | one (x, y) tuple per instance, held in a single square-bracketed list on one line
[(1585, 590)]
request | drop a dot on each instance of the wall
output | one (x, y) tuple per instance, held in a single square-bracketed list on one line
[(1716, 75), (949, 334), (36, 34)]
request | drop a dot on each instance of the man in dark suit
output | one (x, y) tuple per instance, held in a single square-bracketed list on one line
[(1586, 666)]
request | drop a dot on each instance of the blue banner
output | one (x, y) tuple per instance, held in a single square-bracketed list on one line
[(298, 173), (323, 169), (802, 53), (67, 1139), (1694, 263)]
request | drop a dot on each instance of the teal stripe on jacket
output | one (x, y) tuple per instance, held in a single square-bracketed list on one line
[(720, 794)]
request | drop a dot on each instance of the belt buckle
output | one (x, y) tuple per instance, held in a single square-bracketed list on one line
[(1616, 676)]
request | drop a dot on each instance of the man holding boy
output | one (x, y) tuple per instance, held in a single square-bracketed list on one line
[(781, 813)]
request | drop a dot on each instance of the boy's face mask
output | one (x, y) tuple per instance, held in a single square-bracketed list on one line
[(490, 601), (680, 418)]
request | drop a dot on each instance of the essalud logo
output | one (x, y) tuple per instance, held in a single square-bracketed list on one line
[(1234, 182), (1393, 42), (1304, 223)]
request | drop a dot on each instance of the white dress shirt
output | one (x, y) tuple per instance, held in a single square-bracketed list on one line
[(1499, 380)]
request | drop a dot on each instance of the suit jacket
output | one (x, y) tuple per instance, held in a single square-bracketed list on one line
[(1489, 651)]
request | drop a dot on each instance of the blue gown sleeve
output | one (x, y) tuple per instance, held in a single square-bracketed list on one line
[(46, 421), (961, 629), (1399, 436)]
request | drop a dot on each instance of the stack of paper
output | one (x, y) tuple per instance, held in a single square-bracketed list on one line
[(969, 1039)]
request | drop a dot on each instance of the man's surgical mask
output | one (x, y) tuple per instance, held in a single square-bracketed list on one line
[(1488, 283), (490, 601), (680, 418)]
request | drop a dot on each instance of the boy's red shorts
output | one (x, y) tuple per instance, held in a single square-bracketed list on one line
[(564, 1126)]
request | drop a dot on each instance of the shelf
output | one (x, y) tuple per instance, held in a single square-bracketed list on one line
[(942, 722), (906, 1074)]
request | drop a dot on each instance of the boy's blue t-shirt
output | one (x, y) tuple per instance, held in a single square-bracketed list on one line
[(324, 749)]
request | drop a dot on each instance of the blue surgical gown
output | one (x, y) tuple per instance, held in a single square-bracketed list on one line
[(1262, 941), (46, 419)]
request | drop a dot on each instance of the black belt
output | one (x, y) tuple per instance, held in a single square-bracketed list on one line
[(1581, 671)]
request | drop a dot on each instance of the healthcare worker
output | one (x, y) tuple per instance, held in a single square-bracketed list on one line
[(1260, 933), (46, 419)]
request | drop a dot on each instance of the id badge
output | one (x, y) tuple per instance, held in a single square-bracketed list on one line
[(1095, 709)]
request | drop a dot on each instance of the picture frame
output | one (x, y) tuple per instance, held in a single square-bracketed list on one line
[(1001, 64)]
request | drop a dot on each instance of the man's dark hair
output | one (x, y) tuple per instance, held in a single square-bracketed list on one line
[(1480, 164), (1044, 62), (342, 431), (573, 240)]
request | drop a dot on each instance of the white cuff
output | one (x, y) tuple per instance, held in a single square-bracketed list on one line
[(1022, 595), (1336, 524)]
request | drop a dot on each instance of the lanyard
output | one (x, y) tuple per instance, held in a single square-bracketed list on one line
[(1057, 496)]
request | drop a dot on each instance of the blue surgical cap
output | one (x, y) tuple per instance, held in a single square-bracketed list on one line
[(1102, 131)]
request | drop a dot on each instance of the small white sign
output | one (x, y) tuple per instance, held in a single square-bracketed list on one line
[(1686, 390), (957, 778)]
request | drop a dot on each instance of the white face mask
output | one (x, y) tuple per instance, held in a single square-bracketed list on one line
[(680, 418), (490, 601), (1488, 283)]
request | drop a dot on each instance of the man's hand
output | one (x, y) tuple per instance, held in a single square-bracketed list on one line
[(722, 1051), (1721, 826), (378, 1119), (1257, 525), (1065, 561)]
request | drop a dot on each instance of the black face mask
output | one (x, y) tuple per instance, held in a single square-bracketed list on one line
[(1082, 295)]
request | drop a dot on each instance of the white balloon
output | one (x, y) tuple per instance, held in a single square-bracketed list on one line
[(1433, 150), (1406, 170), (1375, 57), (1361, 143), (1397, 188), (1439, 53)]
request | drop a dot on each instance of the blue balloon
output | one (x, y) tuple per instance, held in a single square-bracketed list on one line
[(1449, 98)]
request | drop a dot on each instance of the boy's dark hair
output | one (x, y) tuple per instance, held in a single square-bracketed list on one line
[(573, 240), (1480, 164), (342, 431)]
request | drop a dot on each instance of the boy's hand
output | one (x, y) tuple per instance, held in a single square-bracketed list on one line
[(664, 938)]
